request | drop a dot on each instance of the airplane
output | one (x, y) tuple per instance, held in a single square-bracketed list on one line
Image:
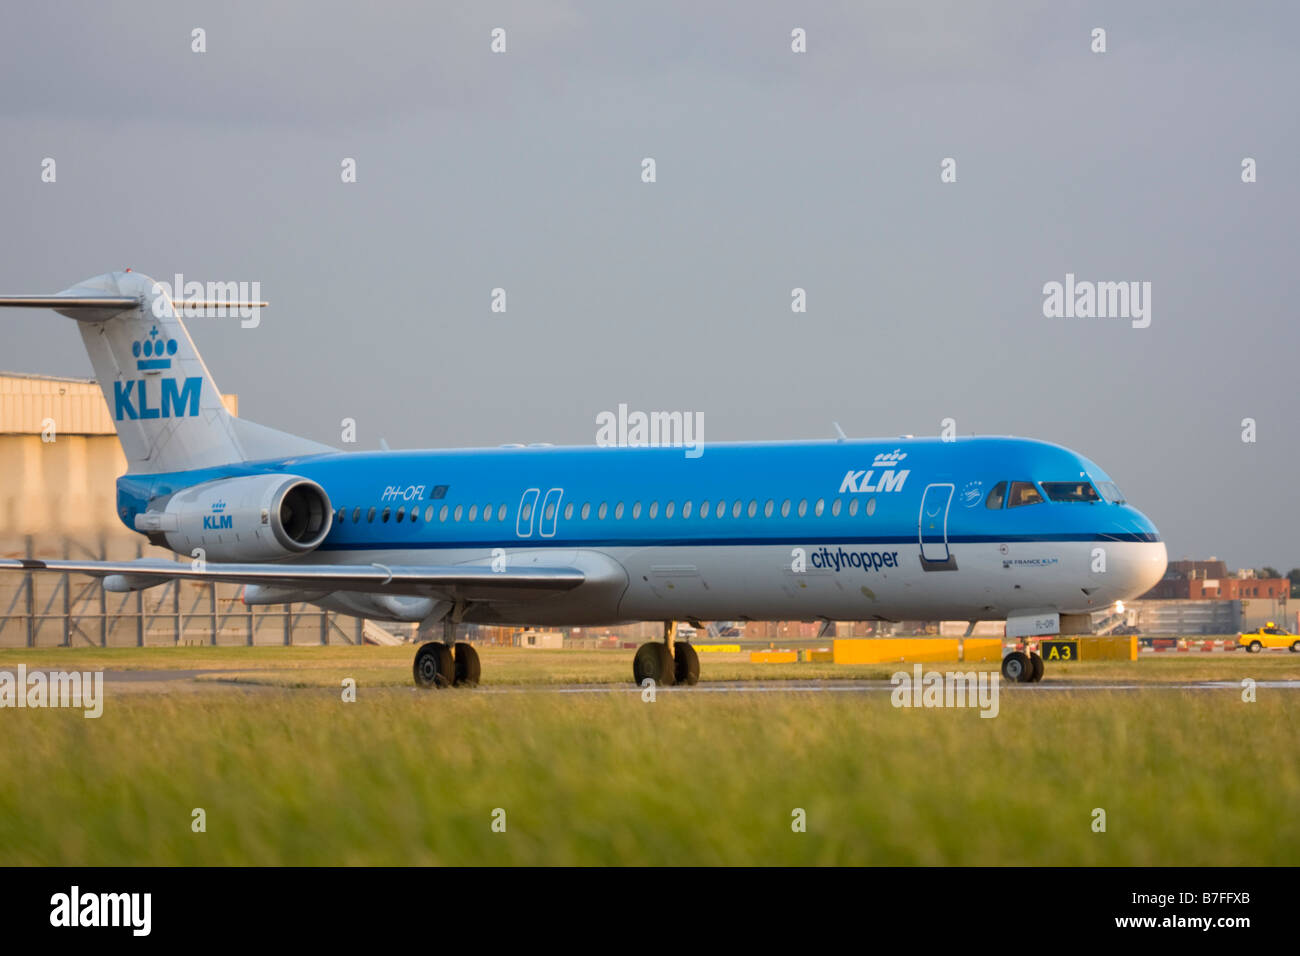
[(969, 528)]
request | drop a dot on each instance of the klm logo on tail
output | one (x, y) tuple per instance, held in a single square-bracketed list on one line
[(131, 398), (153, 349), (177, 400)]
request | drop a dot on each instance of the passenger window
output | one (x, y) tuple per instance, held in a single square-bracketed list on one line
[(769, 508), (835, 508), (669, 509), (704, 509), (460, 510), (819, 507), (735, 508), (602, 511), (686, 509), (473, 512), (1023, 493), (636, 510), (370, 515), (442, 513), (401, 514), (803, 507), (618, 511), (428, 515), (356, 515), (568, 511), (586, 510), (853, 507), (997, 496), (654, 510), (785, 508), (752, 510)]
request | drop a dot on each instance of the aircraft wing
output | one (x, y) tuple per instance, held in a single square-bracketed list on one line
[(447, 582)]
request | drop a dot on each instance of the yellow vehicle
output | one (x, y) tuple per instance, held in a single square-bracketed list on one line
[(1270, 635)]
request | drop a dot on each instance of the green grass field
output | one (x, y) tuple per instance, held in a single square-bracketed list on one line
[(293, 775)]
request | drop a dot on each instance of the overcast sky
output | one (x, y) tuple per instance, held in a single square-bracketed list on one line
[(775, 170)]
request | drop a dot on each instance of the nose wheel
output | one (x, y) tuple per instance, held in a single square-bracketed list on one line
[(1021, 668)]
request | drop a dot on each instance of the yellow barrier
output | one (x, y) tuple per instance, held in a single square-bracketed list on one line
[(773, 657), (880, 650), (889, 650), (1109, 648), (717, 648), (982, 649)]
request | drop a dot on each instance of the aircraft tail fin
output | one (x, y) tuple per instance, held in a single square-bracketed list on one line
[(165, 406)]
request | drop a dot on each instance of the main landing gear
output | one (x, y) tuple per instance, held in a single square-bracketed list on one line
[(667, 663), (1021, 668), (447, 663)]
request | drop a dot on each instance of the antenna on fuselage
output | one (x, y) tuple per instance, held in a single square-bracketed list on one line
[(840, 432)]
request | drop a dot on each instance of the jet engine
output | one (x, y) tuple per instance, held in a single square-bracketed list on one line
[(255, 518)]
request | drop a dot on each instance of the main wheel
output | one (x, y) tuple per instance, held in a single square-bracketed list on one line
[(1295, 647), (686, 665), (1037, 668), (467, 665), (1255, 647), (653, 661), (1016, 667), (434, 666)]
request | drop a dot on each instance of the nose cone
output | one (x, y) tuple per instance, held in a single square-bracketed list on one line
[(1144, 555), (1147, 565)]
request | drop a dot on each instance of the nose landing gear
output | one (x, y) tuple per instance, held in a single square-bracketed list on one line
[(1021, 668)]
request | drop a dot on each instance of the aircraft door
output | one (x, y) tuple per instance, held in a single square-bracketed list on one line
[(550, 513), (932, 528), (527, 505)]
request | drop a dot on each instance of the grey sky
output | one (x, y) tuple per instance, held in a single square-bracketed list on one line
[(774, 170)]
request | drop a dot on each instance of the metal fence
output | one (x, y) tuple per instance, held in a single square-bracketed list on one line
[(72, 610)]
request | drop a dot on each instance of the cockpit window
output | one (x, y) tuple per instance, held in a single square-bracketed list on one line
[(1071, 491), (996, 496), (1023, 493), (1110, 491)]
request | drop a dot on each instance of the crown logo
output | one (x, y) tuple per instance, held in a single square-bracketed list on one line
[(153, 352), (218, 507), (889, 458)]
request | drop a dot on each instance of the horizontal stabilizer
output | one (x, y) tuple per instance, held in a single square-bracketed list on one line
[(118, 302), (108, 304), (69, 301)]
